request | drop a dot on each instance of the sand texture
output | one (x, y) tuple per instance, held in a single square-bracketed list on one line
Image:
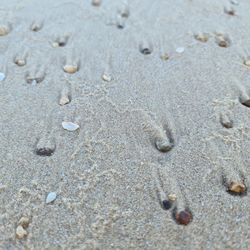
[(124, 124)]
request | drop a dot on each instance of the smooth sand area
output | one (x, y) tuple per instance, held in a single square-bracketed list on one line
[(124, 124)]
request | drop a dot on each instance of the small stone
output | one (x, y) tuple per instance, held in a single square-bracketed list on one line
[(167, 204), (96, 2), (124, 11), (247, 63), (237, 187), (4, 30), (20, 62), (184, 217), (246, 103), (106, 78), (2, 76), (64, 100), (172, 197), (21, 232), (163, 145), (180, 50), (24, 222), (230, 11), (51, 197), (71, 69), (70, 126)]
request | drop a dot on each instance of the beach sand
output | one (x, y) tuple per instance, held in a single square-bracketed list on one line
[(124, 124)]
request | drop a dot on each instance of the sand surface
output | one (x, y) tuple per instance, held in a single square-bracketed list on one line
[(131, 74)]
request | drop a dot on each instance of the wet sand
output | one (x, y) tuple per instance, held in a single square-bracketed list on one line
[(124, 124)]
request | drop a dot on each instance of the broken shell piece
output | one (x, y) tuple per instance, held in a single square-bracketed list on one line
[(70, 126), (237, 187), (2, 76), (172, 197), (64, 100), (106, 77), (71, 69), (51, 197), (180, 50), (21, 232)]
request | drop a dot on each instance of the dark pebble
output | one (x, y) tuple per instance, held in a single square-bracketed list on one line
[(166, 204), (44, 151)]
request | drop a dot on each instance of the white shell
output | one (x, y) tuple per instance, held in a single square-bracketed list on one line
[(51, 197), (180, 50), (2, 76), (106, 77), (70, 126)]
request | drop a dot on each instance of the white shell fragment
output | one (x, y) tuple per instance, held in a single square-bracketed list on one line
[(50, 197), (70, 126), (180, 50), (106, 77), (2, 76)]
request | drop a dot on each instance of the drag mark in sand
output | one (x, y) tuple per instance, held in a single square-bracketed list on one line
[(36, 25), (45, 146), (20, 59), (71, 62), (35, 75), (227, 145), (244, 97), (60, 41), (229, 10), (145, 47), (222, 40), (170, 196)]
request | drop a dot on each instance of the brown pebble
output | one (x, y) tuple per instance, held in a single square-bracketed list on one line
[(246, 103), (237, 187), (184, 217)]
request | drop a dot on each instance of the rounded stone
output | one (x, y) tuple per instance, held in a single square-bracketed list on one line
[(184, 217)]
